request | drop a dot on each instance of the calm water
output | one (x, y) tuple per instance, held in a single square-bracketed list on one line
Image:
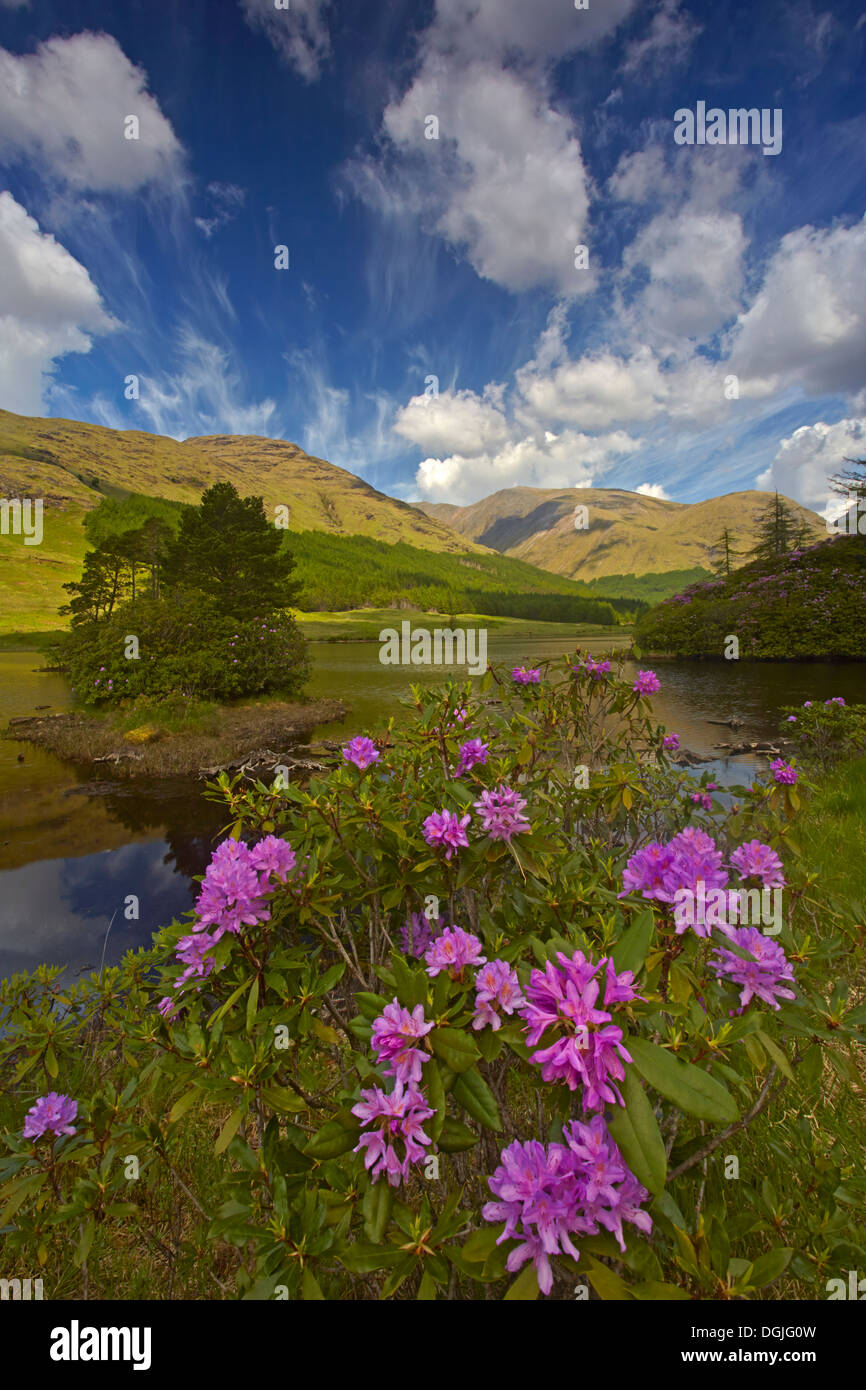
[(73, 849)]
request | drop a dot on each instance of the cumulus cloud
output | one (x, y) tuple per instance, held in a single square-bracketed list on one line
[(458, 422), (653, 490), (812, 454), (693, 264), (807, 323), (508, 29), (298, 33), (594, 390), (570, 459), (65, 107), (49, 306)]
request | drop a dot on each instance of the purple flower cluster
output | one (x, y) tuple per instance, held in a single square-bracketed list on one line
[(53, 1113), (232, 897), (660, 871), (399, 1139), (647, 683), (496, 987), (589, 1050), (523, 675), (418, 933), (596, 669), (763, 977), (783, 772), (756, 860), (547, 1194), (472, 753), (453, 951), (362, 752), (501, 813), (446, 829), (394, 1033), (671, 741)]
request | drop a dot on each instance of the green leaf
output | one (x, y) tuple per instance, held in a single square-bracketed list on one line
[(283, 1100), (333, 1139), (370, 1005), (435, 1098), (228, 1131), (252, 1004), (777, 1054), (181, 1106), (232, 999), (456, 1137), (473, 1093), (637, 1133), (17, 1192), (607, 1285), (51, 1061), (481, 1244), (310, 1286), (362, 1258), (693, 1090), (525, 1286), (630, 951), (769, 1267), (82, 1250), (376, 1206), (426, 1289), (655, 1290), (456, 1048)]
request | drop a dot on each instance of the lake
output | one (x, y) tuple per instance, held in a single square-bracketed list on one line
[(73, 849)]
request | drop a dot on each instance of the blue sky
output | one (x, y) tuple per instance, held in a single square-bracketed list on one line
[(432, 331)]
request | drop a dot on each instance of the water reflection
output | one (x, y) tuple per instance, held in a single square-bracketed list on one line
[(74, 849)]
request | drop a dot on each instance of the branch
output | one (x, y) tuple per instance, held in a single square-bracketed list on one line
[(756, 1109)]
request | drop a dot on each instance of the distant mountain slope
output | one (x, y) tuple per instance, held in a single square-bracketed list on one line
[(70, 464), (628, 534)]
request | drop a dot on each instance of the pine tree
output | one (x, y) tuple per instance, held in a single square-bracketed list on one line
[(722, 554), (225, 548), (779, 529)]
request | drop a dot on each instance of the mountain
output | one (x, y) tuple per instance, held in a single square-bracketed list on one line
[(629, 541), (73, 465)]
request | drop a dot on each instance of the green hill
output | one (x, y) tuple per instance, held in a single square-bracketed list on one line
[(807, 604), (633, 546)]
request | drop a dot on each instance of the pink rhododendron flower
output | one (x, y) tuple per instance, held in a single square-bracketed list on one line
[(418, 933), (763, 977), (501, 813), (496, 988), (522, 675), (647, 683), (446, 828), (394, 1032), (472, 753), (783, 772), (756, 860), (361, 751), (671, 741), (547, 1194), (399, 1140), (53, 1113), (453, 951), (588, 1050)]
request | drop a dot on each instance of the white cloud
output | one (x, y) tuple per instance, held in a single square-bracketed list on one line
[(694, 262), (457, 422), (807, 323), (203, 394), (593, 391), (299, 33), (570, 459), (48, 306), (653, 490), (505, 181), (226, 200), (506, 29), (65, 105), (669, 40), (808, 457)]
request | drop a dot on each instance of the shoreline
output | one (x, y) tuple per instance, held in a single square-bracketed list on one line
[(233, 736)]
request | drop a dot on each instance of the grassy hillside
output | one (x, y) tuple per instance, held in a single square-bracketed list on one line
[(629, 536), (807, 604), (71, 464)]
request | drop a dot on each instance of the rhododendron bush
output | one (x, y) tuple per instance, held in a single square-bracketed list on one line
[(453, 1020)]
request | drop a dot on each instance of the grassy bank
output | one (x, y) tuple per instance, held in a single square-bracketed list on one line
[(171, 740), (833, 834)]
